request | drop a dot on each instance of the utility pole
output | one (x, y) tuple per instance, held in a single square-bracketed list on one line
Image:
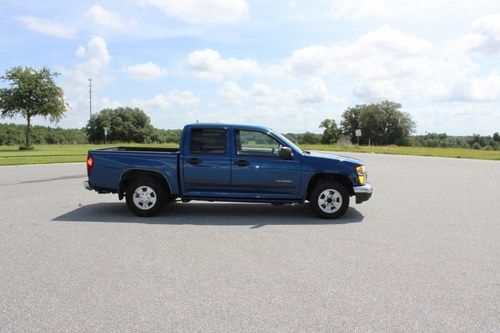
[(90, 98)]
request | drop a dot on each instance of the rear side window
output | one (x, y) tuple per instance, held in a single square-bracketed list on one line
[(208, 141)]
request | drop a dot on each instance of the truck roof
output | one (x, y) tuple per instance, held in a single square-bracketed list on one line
[(262, 128)]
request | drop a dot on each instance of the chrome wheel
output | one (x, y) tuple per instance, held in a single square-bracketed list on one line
[(144, 197), (330, 201)]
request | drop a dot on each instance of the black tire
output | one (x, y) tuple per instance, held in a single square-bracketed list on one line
[(336, 211), (143, 184)]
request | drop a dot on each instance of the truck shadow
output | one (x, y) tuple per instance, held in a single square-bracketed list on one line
[(202, 213)]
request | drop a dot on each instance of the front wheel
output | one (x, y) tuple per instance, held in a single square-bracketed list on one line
[(329, 200), (145, 196)]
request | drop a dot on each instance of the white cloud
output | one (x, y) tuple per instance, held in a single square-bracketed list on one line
[(106, 103), (232, 94), (485, 35), (208, 64), (381, 53), (284, 118), (94, 59), (313, 91), (183, 99), (471, 89), (456, 118), (483, 38), (107, 18), (356, 10), (46, 27), (203, 11), (281, 118), (157, 102), (388, 64), (263, 93), (80, 51), (363, 10), (392, 40), (147, 71), (373, 92), (314, 60)]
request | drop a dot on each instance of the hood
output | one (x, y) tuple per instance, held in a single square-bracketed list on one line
[(333, 157)]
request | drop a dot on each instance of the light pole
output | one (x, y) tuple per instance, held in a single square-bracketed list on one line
[(90, 98)]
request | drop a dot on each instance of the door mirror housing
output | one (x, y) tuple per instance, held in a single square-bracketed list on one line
[(286, 153)]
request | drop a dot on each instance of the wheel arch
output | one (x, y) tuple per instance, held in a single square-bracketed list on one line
[(130, 175), (324, 176)]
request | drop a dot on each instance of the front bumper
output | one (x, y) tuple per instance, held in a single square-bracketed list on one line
[(363, 193), (87, 186)]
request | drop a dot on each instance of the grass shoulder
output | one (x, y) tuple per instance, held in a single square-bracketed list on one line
[(42, 154), (415, 151)]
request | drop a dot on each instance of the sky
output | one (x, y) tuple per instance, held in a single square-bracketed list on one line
[(282, 64)]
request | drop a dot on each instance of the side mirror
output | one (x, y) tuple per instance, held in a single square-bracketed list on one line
[(286, 153)]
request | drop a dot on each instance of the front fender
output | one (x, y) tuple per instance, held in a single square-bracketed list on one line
[(312, 166)]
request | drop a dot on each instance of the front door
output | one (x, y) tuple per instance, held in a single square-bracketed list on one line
[(206, 163), (257, 171)]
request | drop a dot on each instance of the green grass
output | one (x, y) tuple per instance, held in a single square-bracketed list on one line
[(11, 155), (417, 151)]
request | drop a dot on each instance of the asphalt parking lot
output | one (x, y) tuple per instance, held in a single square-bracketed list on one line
[(422, 255)]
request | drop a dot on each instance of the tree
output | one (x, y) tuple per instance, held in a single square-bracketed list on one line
[(382, 123), (496, 137), (308, 138), (31, 93), (125, 125), (331, 134)]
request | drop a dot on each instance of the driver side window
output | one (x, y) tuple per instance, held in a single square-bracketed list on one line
[(256, 143)]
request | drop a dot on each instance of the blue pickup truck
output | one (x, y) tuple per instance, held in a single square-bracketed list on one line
[(220, 162)]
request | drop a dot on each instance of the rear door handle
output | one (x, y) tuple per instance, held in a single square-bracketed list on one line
[(194, 161), (242, 163)]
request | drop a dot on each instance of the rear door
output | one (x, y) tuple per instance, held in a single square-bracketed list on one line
[(257, 171), (206, 163)]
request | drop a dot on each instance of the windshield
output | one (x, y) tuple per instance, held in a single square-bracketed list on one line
[(287, 142)]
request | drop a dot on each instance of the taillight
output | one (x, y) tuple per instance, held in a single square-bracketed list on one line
[(90, 164)]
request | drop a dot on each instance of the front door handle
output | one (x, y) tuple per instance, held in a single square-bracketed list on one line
[(242, 163), (194, 161)]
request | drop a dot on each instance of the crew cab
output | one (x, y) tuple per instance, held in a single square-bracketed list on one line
[(222, 162)]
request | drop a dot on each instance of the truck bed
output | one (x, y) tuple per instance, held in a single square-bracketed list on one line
[(110, 164)]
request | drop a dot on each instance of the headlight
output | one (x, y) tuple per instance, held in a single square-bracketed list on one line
[(361, 171)]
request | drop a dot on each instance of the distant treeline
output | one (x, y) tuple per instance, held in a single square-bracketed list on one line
[(475, 141), (13, 134), (443, 140)]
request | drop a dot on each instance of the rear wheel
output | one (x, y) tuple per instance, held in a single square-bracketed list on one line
[(329, 199), (145, 196)]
